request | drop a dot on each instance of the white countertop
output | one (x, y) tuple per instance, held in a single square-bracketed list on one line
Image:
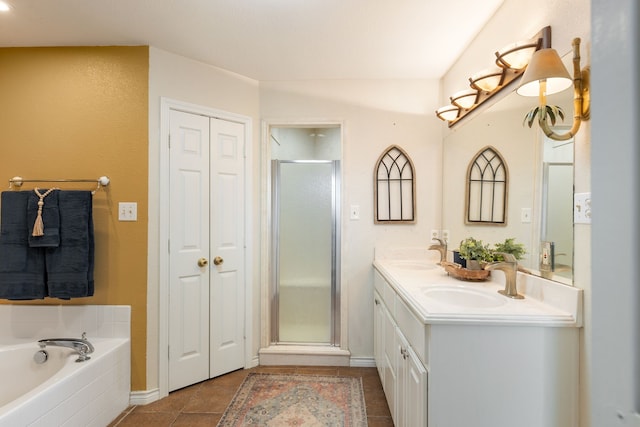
[(412, 271)]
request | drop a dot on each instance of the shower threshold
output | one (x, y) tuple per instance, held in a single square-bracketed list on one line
[(304, 355)]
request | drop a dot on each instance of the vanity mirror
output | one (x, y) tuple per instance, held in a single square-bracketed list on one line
[(540, 193)]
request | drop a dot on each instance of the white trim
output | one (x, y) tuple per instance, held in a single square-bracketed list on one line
[(167, 104), (144, 397), (362, 362), (265, 226), (304, 355)]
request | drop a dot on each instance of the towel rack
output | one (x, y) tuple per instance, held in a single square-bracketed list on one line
[(17, 181)]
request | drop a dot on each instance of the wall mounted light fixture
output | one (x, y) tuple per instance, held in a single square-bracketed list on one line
[(487, 80), (511, 62), (546, 75), (448, 113)]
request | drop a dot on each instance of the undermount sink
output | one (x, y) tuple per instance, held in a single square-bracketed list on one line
[(463, 296), (413, 265)]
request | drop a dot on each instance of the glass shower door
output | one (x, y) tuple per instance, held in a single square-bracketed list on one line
[(304, 300)]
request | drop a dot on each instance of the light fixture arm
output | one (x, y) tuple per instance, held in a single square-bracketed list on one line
[(581, 99)]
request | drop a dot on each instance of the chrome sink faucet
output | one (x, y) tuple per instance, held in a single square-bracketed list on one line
[(80, 345), (440, 247), (510, 268)]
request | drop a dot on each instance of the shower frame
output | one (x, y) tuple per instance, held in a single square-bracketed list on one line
[(335, 252)]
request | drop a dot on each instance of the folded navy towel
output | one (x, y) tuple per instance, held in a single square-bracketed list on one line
[(22, 269), (50, 219), (70, 265)]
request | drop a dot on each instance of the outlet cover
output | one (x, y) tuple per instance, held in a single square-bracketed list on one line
[(127, 211), (354, 212)]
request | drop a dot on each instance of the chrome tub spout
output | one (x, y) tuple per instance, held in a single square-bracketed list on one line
[(80, 345)]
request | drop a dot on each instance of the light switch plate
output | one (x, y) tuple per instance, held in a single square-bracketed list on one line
[(582, 208), (127, 211)]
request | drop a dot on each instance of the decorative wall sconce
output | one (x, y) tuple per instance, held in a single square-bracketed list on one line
[(511, 62), (546, 75)]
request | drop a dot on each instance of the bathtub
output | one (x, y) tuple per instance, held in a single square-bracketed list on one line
[(61, 391)]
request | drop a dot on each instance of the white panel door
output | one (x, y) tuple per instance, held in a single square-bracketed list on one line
[(188, 243), (227, 246)]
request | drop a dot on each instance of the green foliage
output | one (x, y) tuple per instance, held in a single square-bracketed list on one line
[(472, 249), (509, 246), (552, 111)]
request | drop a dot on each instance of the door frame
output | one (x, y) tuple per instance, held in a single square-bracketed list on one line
[(266, 232), (166, 105)]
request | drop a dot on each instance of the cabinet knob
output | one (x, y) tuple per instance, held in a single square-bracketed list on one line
[(376, 301), (202, 262), (218, 260)]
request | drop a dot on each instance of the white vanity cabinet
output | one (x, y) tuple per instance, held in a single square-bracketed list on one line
[(403, 375), (515, 365)]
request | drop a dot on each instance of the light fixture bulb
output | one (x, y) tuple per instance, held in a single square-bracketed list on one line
[(448, 113), (4, 6), (545, 65), (487, 80), (516, 56), (465, 98)]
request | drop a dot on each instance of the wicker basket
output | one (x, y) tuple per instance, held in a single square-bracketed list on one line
[(461, 273)]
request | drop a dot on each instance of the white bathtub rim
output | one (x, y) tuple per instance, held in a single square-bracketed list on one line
[(61, 379)]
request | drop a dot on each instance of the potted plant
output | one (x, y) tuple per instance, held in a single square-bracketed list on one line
[(475, 253), (509, 246)]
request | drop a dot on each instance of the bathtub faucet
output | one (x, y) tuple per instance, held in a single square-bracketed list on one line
[(80, 345)]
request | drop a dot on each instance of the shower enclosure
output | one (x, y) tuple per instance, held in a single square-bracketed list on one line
[(305, 252)]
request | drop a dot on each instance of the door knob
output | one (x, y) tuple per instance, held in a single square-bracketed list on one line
[(218, 260), (202, 262)]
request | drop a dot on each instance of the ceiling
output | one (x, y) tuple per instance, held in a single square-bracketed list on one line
[(266, 39)]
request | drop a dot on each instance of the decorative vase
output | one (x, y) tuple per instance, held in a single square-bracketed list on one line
[(473, 264)]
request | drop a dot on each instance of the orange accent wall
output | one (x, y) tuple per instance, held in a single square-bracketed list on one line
[(82, 112)]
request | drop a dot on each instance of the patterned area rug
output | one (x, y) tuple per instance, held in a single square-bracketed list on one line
[(278, 400)]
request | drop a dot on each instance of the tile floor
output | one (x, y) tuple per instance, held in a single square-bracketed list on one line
[(203, 404)]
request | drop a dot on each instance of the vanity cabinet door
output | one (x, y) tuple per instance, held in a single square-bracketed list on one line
[(403, 376), (411, 387), (390, 362), (415, 383), (378, 334)]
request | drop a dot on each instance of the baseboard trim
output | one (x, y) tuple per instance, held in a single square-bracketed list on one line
[(144, 397), (362, 362)]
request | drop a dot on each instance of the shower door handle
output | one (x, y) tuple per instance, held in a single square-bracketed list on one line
[(218, 260)]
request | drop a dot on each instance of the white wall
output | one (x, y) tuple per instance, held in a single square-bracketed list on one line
[(518, 20), (376, 114), (193, 82), (616, 202)]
